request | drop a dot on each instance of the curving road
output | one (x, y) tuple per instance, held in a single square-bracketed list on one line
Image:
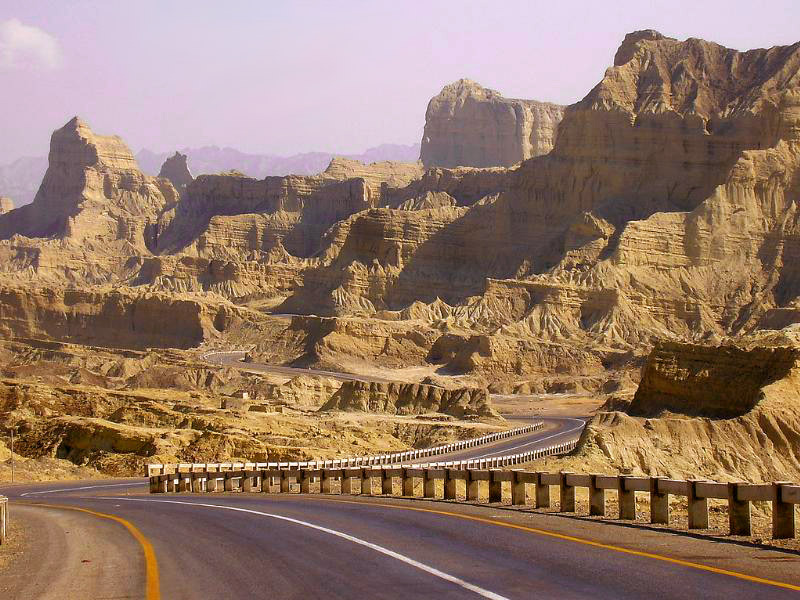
[(559, 429), (256, 546), (110, 538)]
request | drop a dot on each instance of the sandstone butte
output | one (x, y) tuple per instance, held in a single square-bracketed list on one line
[(664, 215), (467, 125)]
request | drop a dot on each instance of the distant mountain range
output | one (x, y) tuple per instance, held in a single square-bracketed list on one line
[(20, 179)]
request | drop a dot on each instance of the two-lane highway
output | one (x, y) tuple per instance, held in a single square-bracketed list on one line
[(288, 546)]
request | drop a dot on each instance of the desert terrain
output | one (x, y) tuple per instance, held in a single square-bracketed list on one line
[(626, 258)]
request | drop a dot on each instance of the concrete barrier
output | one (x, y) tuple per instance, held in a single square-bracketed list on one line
[(466, 481), (3, 518)]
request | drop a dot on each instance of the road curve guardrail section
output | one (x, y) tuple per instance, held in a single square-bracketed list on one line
[(465, 482), (360, 461), (3, 518)]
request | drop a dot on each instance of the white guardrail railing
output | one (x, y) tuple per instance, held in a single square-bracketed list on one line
[(3, 518), (471, 481), (359, 461)]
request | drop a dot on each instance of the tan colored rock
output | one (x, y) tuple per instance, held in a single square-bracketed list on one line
[(6, 205), (176, 169), (472, 126), (408, 398), (93, 192)]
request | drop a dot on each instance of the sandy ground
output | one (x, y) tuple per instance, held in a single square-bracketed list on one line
[(547, 405)]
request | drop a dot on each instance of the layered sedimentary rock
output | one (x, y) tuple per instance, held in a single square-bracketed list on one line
[(176, 169), (666, 208), (471, 126), (749, 394), (715, 381), (114, 318), (408, 398), (92, 193)]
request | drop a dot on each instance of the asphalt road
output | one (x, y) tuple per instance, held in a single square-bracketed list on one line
[(107, 539), (281, 546), (559, 429)]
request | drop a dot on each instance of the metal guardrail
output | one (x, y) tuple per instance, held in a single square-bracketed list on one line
[(3, 518), (463, 481), (378, 459)]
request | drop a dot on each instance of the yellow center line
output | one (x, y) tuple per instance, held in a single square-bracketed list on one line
[(572, 538), (152, 588)]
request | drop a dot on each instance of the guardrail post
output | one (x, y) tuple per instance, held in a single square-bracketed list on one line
[(247, 480), (366, 481), (413, 482), (455, 487), (659, 503), (698, 507), (3, 519), (520, 488), (597, 498), (330, 477), (392, 481), (199, 482), (230, 481), (566, 493), (542, 492), (289, 481), (351, 481), (308, 481), (738, 512), (271, 481), (783, 519), (627, 500), (478, 485), (500, 486), (434, 483), (212, 483)]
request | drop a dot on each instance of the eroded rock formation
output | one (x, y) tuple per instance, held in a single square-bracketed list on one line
[(467, 125), (410, 398), (176, 169)]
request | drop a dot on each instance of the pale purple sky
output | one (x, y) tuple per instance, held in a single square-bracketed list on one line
[(287, 77)]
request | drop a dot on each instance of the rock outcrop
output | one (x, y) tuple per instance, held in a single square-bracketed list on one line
[(711, 381), (93, 193), (410, 399), (749, 394), (467, 125), (176, 169), (114, 318), (6, 205)]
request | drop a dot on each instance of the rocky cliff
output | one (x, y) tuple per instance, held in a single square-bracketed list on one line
[(472, 126), (749, 394), (92, 192), (667, 207), (176, 169), (116, 318), (713, 381), (408, 398)]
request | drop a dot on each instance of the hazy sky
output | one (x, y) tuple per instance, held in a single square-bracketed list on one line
[(286, 77)]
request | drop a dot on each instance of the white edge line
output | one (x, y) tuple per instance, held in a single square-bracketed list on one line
[(88, 487), (382, 550)]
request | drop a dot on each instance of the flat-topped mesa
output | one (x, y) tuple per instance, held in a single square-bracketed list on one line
[(392, 173), (472, 126), (176, 169)]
